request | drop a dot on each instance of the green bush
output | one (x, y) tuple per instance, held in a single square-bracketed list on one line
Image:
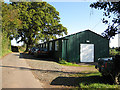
[(61, 61), (21, 48), (6, 44), (114, 52)]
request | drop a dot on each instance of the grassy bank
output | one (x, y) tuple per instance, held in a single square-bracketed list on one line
[(6, 52), (5, 46)]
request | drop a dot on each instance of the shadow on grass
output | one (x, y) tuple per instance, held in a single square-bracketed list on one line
[(76, 81)]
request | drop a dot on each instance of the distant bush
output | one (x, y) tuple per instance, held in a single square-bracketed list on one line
[(21, 48), (114, 52), (117, 49)]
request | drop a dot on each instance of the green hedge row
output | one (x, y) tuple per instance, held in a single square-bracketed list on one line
[(5, 45)]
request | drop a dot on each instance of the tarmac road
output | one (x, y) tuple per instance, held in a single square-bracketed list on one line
[(16, 73)]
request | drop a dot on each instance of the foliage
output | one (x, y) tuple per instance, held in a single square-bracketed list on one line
[(5, 52), (114, 52), (95, 86), (0, 29), (109, 9), (6, 44), (0, 14), (117, 48), (61, 61), (10, 21), (40, 21), (21, 49)]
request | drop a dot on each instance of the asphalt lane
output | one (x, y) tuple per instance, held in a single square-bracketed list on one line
[(16, 73)]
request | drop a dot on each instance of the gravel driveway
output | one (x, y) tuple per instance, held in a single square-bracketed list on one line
[(48, 71)]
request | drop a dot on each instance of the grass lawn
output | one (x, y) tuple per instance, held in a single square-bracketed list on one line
[(93, 80), (89, 79)]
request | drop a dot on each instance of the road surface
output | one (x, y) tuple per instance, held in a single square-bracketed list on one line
[(16, 73)]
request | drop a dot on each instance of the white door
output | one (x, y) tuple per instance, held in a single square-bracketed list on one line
[(86, 52)]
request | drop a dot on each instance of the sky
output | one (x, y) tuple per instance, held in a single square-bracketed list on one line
[(78, 16)]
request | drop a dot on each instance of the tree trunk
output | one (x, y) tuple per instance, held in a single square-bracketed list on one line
[(27, 46)]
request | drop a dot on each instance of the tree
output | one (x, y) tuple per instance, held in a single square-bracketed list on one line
[(109, 9), (10, 21), (0, 16), (40, 21)]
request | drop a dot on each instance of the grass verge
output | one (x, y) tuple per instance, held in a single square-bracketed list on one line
[(5, 52), (65, 63), (98, 85)]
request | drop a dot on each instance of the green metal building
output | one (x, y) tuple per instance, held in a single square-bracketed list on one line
[(85, 46)]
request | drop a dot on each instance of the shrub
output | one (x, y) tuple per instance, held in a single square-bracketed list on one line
[(61, 61)]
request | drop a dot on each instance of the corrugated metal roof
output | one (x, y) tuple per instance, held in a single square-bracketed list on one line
[(75, 34)]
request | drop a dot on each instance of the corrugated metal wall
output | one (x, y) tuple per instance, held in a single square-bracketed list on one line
[(69, 46), (71, 49), (53, 53)]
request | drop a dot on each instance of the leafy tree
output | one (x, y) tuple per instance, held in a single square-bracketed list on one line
[(0, 9), (117, 49), (109, 9), (10, 21), (40, 21)]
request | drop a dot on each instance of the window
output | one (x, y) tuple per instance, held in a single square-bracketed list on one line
[(50, 46), (56, 45)]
